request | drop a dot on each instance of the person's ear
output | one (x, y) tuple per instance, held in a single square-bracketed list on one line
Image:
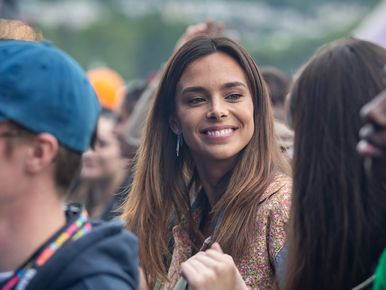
[(174, 124), (42, 153)]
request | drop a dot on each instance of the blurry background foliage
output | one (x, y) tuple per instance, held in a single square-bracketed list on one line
[(136, 37), (135, 47)]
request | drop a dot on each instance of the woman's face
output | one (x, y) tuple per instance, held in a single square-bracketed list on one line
[(214, 108), (105, 160)]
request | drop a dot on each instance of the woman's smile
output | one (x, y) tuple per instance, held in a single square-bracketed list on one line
[(219, 133)]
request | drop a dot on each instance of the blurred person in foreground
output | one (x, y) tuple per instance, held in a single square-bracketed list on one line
[(373, 135), (373, 145), (48, 115), (338, 227)]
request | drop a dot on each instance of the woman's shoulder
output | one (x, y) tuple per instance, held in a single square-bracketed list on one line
[(259, 266), (278, 191), (275, 203)]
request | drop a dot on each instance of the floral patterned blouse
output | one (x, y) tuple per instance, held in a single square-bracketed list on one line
[(259, 267)]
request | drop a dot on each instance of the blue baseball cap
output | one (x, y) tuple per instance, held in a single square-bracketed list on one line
[(45, 90)]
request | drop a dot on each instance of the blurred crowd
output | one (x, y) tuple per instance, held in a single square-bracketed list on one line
[(213, 173)]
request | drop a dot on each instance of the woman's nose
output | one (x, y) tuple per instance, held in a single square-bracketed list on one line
[(217, 110)]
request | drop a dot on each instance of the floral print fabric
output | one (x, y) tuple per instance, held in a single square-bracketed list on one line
[(258, 268)]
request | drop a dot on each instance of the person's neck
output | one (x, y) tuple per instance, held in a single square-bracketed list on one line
[(211, 174), (115, 182), (26, 223), (107, 185)]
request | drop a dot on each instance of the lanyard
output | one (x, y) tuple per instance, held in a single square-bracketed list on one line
[(208, 241), (182, 284), (71, 232), (195, 208)]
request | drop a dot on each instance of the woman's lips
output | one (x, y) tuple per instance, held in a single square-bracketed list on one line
[(90, 162), (219, 133)]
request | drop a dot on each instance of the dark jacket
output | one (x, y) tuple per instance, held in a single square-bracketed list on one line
[(105, 259)]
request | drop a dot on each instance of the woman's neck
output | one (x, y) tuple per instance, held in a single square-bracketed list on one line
[(211, 175)]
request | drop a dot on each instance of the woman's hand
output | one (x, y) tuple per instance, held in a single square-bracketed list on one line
[(212, 270), (205, 28)]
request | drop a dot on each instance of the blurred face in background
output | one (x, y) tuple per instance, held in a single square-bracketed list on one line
[(105, 160)]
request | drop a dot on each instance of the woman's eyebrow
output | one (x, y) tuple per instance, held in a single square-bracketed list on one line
[(233, 84), (194, 89), (199, 89)]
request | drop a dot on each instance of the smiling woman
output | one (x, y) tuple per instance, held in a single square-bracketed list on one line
[(209, 169)]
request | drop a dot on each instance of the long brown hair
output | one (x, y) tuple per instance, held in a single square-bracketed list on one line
[(164, 185), (338, 220)]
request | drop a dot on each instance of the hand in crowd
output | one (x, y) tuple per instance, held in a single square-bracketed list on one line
[(373, 134), (208, 28), (211, 270)]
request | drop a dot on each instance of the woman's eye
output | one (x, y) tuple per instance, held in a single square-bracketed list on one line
[(233, 97), (196, 101)]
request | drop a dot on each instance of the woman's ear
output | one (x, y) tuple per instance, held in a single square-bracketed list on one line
[(174, 124)]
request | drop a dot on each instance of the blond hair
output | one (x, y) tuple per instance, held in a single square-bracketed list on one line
[(18, 30)]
